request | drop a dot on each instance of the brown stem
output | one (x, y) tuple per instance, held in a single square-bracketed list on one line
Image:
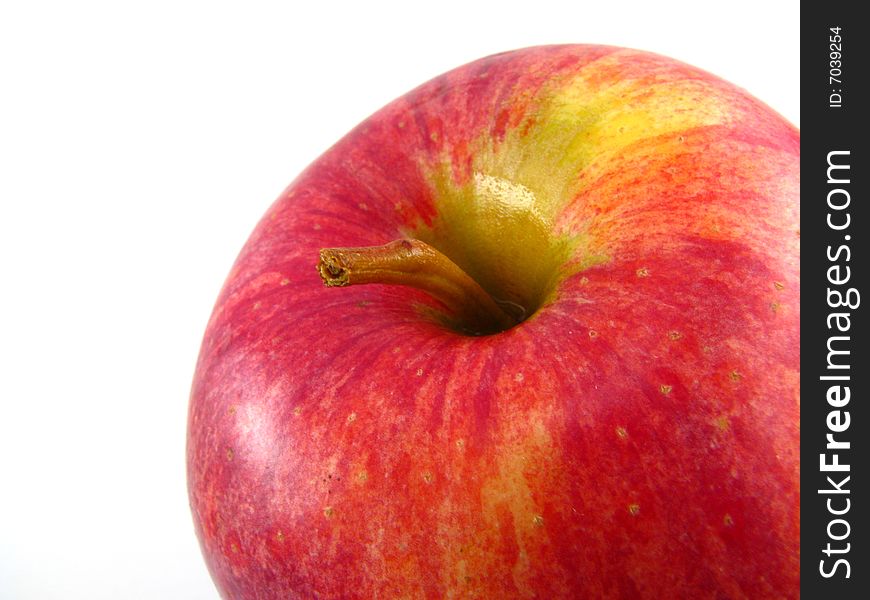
[(418, 265)]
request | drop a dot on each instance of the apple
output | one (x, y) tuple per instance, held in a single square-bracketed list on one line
[(562, 359)]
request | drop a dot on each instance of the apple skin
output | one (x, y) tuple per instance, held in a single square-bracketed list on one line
[(636, 437)]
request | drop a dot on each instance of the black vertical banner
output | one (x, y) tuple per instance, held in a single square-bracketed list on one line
[(835, 370)]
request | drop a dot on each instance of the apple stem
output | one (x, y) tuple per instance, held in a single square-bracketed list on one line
[(419, 265)]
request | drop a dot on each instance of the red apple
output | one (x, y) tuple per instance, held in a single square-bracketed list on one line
[(589, 389)]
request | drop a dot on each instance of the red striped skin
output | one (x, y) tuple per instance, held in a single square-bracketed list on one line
[(636, 438)]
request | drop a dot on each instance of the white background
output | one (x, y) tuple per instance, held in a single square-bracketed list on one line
[(139, 145)]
